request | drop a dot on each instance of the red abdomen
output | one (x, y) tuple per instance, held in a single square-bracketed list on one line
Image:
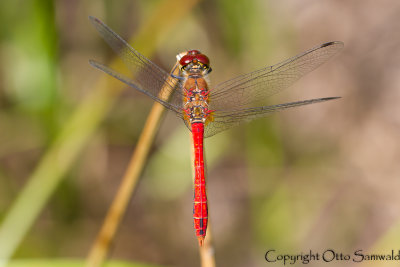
[(200, 209)]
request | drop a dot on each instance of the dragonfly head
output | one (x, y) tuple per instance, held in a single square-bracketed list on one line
[(194, 62)]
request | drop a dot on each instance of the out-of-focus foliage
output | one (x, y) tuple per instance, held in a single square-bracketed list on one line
[(70, 263), (29, 51), (318, 177)]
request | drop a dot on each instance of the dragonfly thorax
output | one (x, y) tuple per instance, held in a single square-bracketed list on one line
[(196, 100)]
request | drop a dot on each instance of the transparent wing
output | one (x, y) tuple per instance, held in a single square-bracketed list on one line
[(253, 88), (224, 120), (148, 77), (132, 83)]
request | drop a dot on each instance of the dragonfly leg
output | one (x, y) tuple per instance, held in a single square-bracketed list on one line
[(177, 77)]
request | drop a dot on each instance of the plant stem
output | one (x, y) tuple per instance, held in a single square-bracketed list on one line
[(129, 181), (207, 255)]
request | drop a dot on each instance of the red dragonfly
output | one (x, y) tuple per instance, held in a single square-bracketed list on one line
[(208, 111)]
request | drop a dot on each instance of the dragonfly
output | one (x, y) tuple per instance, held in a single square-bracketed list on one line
[(206, 110)]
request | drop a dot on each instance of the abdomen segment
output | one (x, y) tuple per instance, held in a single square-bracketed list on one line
[(200, 209)]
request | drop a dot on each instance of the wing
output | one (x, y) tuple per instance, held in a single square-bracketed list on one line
[(132, 83), (224, 120), (253, 88), (148, 77)]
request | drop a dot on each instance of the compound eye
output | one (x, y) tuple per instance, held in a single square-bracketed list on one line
[(186, 59), (203, 59)]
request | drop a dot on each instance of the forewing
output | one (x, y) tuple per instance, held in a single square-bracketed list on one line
[(253, 88), (147, 76), (132, 83)]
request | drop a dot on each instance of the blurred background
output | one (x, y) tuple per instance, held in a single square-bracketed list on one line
[(316, 177)]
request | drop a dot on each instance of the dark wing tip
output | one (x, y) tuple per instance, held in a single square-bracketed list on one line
[(330, 98), (95, 20), (338, 43)]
